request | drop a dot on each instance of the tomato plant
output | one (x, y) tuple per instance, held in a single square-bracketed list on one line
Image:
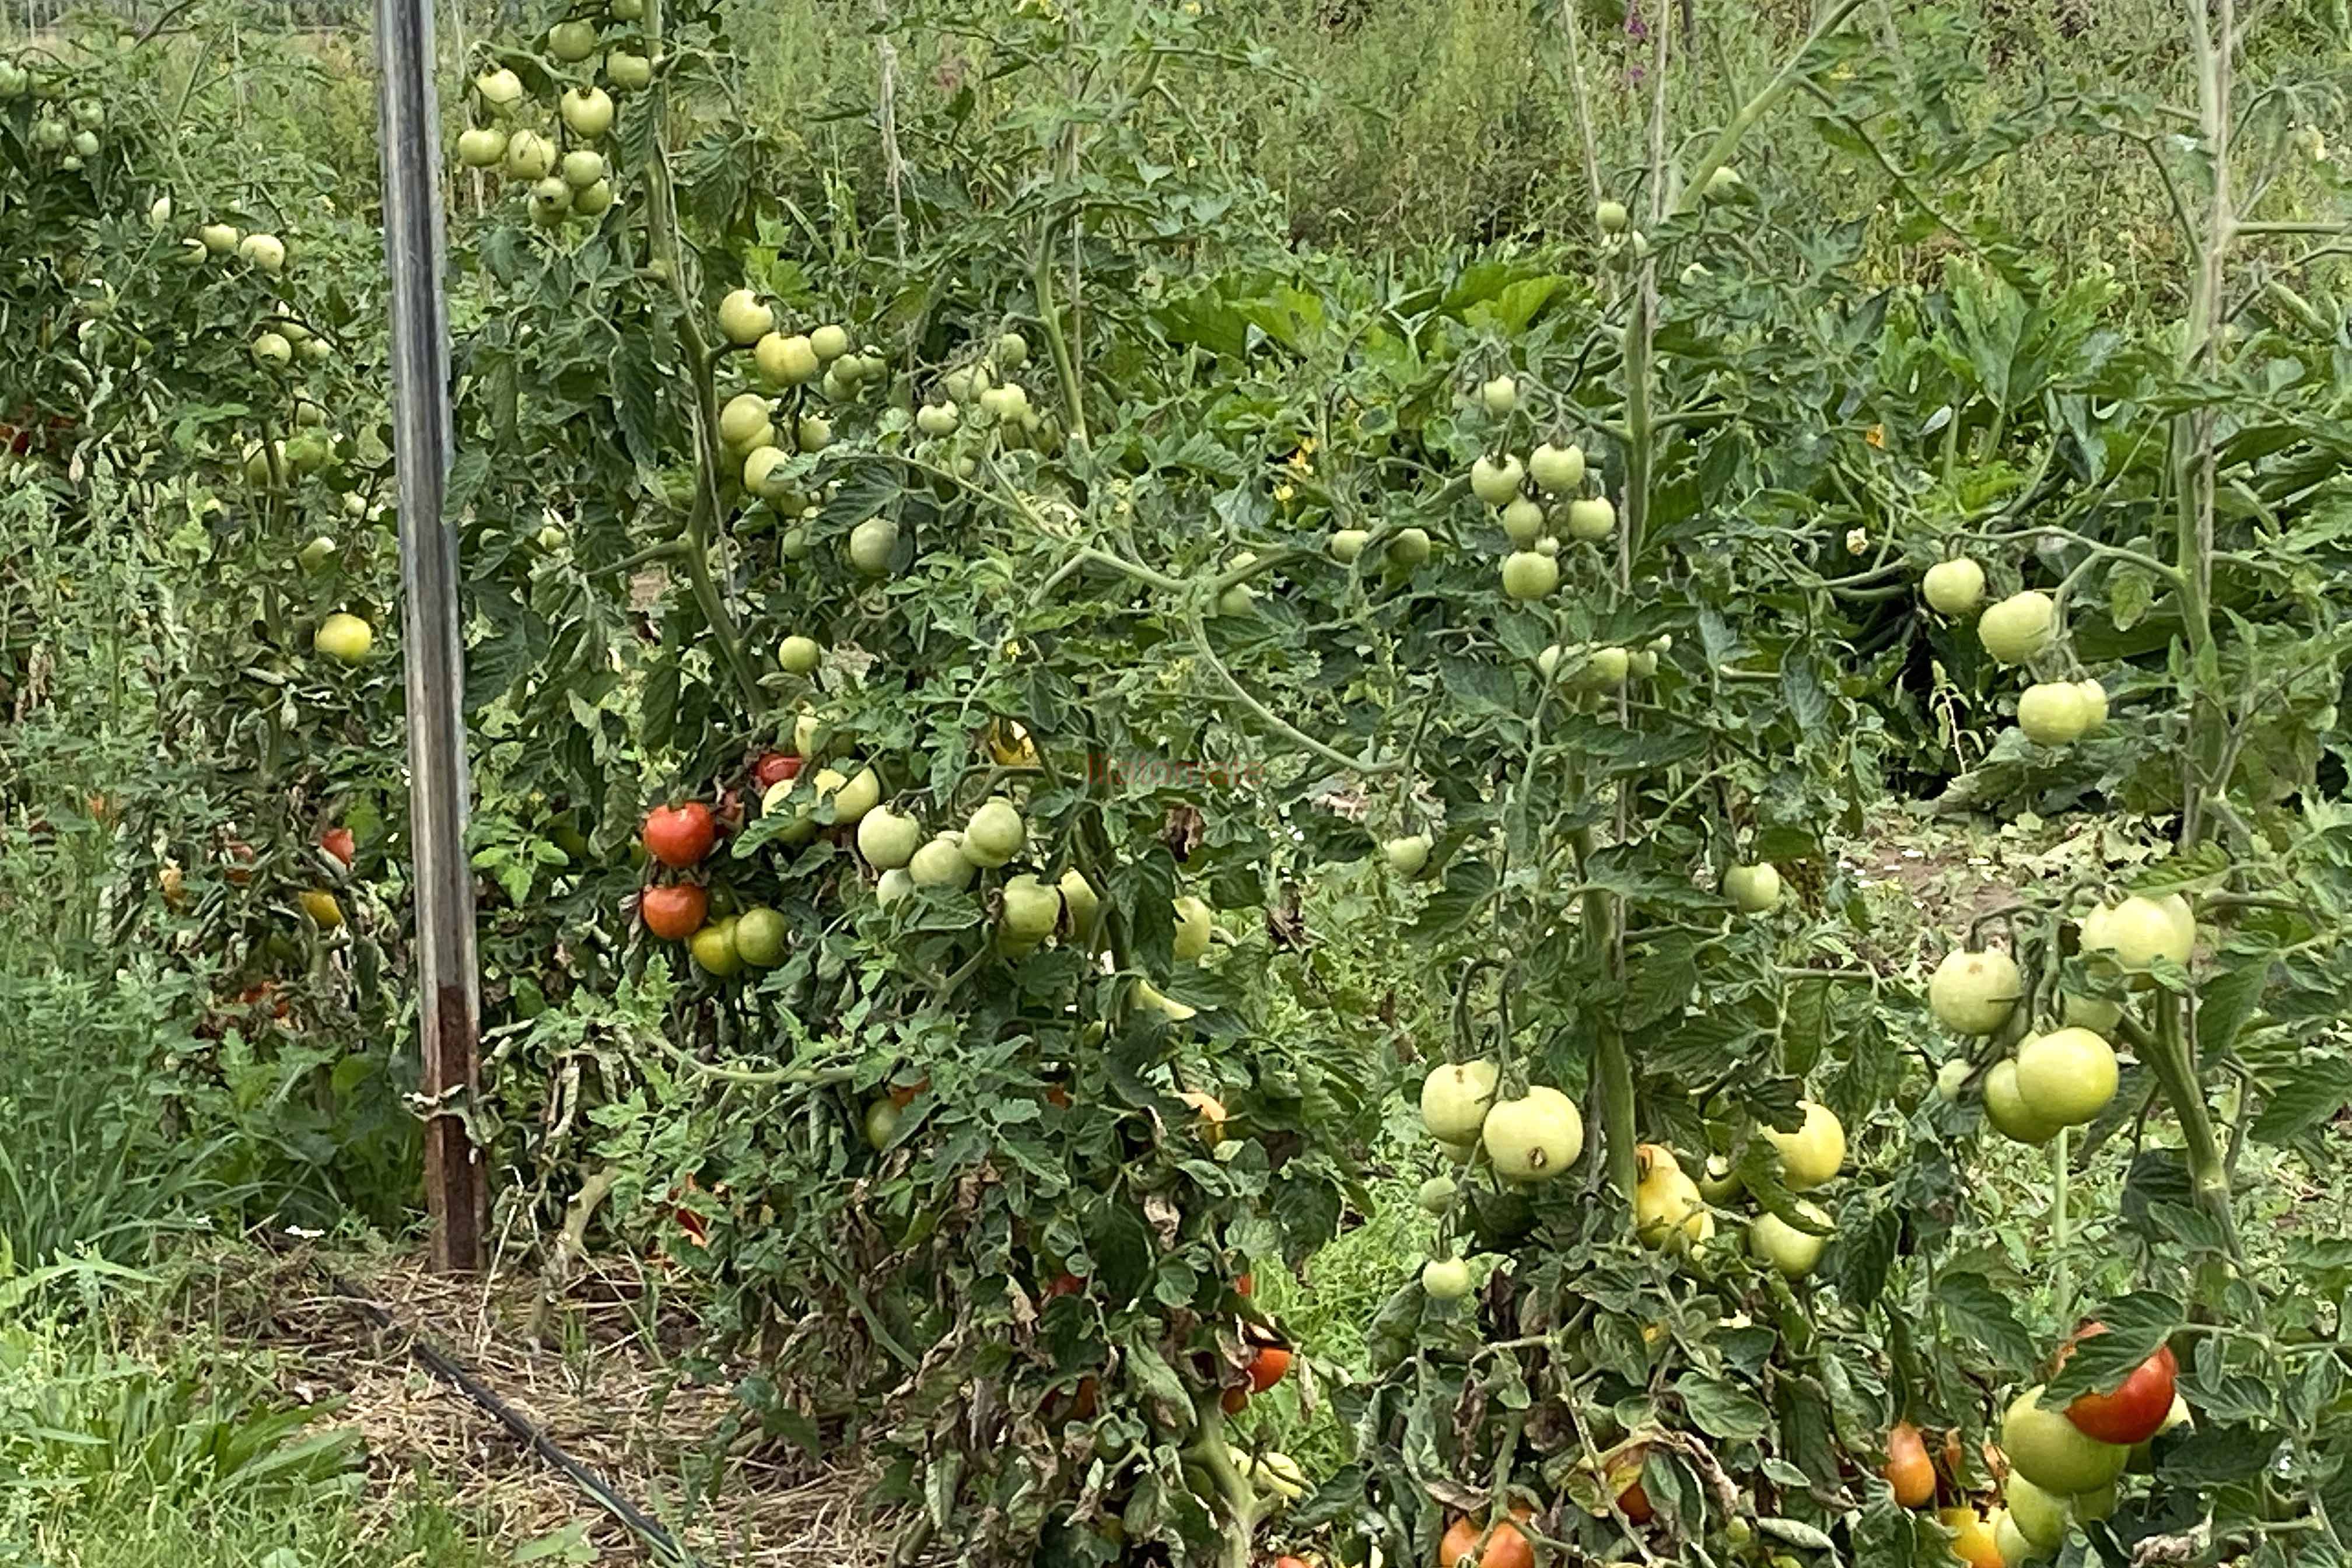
[(935, 635)]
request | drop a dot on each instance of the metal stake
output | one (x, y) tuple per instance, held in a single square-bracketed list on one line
[(449, 1002)]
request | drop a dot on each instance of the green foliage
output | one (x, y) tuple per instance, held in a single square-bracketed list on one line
[(981, 1199)]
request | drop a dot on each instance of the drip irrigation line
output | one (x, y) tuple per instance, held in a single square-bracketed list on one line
[(445, 1367)]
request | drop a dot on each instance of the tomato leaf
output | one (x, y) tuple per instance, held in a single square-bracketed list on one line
[(2225, 1002), (2307, 1098), (1662, 982), (1981, 1311), (1862, 1257), (2218, 1455), (1721, 1410)]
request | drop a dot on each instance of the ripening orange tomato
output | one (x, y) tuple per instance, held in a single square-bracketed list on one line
[(1908, 1469)]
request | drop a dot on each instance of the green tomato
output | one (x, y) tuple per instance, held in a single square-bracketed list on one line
[(571, 41), (481, 147), (1445, 1278), (1534, 1138), (1456, 1099), (587, 111), (1753, 890), (1497, 483), (1529, 574), (1407, 855), (889, 839), (996, 834), (631, 73), (1523, 520), (2006, 1109), (2049, 1450), (1557, 471), (744, 319), (714, 949), (2066, 1076), (1974, 993), (2018, 628), (500, 91), (529, 156), (1194, 926), (1792, 1251), (583, 167), (1031, 911), (1954, 587), (799, 655), (871, 545)]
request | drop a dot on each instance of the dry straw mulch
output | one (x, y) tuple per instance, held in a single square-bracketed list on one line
[(610, 1392)]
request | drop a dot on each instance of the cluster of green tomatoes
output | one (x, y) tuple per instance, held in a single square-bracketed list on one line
[(565, 173)]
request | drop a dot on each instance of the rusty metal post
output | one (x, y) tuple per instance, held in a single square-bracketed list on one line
[(449, 999)]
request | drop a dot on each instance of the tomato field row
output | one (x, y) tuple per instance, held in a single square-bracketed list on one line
[(1020, 719)]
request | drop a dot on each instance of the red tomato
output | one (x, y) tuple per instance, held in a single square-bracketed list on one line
[(1507, 1548), (1266, 1367), (339, 842), (688, 1220), (1245, 1286), (2133, 1410), (267, 991), (1233, 1400), (1064, 1285), (1057, 1096), (1635, 1502), (774, 768), (674, 912), (902, 1095), (680, 835)]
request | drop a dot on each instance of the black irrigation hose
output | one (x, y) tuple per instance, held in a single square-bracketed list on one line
[(441, 1366)]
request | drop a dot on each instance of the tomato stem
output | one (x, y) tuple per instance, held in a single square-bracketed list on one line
[(1208, 1449), (2170, 1054), (2062, 1276), (662, 233), (1057, 343)]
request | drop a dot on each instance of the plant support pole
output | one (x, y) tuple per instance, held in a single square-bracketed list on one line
[(449, 1001)]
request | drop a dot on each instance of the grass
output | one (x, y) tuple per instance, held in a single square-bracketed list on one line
[(110, 1457), (291, 1532)]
